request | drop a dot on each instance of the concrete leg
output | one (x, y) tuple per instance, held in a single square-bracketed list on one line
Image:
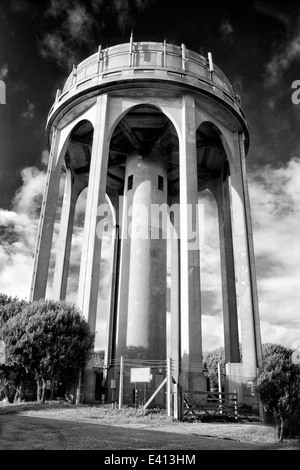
[(174, 333), (72, 191), (241, 234), (191, 336), (46, 224), (231, 338), (91, 249)]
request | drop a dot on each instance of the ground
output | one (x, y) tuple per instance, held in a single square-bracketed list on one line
[(154, 420)]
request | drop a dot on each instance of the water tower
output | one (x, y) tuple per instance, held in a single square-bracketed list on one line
[(149, 126)]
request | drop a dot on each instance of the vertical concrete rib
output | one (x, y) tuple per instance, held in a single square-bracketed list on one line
[(191, 337), (242, 261), (110, 328), (251, 253), (174, 332), (46, 223), (71, 193), (231, 337), (91, 248)]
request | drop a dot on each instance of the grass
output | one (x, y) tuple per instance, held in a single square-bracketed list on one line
[(256, 433)]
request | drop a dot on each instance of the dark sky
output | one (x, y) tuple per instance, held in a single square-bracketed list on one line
[(40, 40)]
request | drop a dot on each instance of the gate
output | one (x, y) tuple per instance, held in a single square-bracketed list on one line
[(209, 406)]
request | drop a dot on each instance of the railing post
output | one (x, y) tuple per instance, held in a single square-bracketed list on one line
[(210, 65), (130, 49), (58, 93), (183, 57), (165, 53), (99, 58), (74, 74)]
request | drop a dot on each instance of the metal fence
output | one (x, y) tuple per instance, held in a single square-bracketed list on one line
[(141, 383), (209, 406)]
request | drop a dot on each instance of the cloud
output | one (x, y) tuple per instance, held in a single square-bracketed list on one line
[(75, 30), (45, 157), (286, 53), (54, 47), (79, 26), (19, 6), (275, 202), (77, 22), (275, 208), (226, 30), (210, 267), (29, 113), (3, 71), (272, 12), (126, 10), (18, 234)]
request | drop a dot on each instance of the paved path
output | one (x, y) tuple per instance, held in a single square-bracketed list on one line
[(29, 433)]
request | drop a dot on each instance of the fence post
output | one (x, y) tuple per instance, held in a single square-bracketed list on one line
[(175, 401), (121, 382), (235, 405), (220, 389), (78, 391), (169, 386)]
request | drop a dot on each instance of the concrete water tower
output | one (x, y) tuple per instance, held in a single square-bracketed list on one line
[(151, 125)]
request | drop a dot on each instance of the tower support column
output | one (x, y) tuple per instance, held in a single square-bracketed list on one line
[(91, 248), (46, 223), (192, 377), (174, 332), (71, 193), (244, 261), (231, 337)]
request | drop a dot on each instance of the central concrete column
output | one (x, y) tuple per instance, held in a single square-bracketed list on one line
[(190, 302), (142, 292)]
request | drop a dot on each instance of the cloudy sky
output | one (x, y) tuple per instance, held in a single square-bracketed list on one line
[(257, 45)]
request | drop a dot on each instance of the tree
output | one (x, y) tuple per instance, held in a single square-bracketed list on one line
[(272, 352), (278, 385), (211, 360), (11, 378), (9, 306), (49, 339)]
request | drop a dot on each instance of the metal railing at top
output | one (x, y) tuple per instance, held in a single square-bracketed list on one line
[(146, 57)]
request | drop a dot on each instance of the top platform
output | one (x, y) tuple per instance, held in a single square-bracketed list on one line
[(146, 61)]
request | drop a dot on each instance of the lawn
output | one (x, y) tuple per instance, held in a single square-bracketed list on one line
[(256, 433)]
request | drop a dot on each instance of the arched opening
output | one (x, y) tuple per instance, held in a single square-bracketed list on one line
[(217, 266), (142, 128), (67, 240), (143, 170), (55, 236), (210, 274)]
